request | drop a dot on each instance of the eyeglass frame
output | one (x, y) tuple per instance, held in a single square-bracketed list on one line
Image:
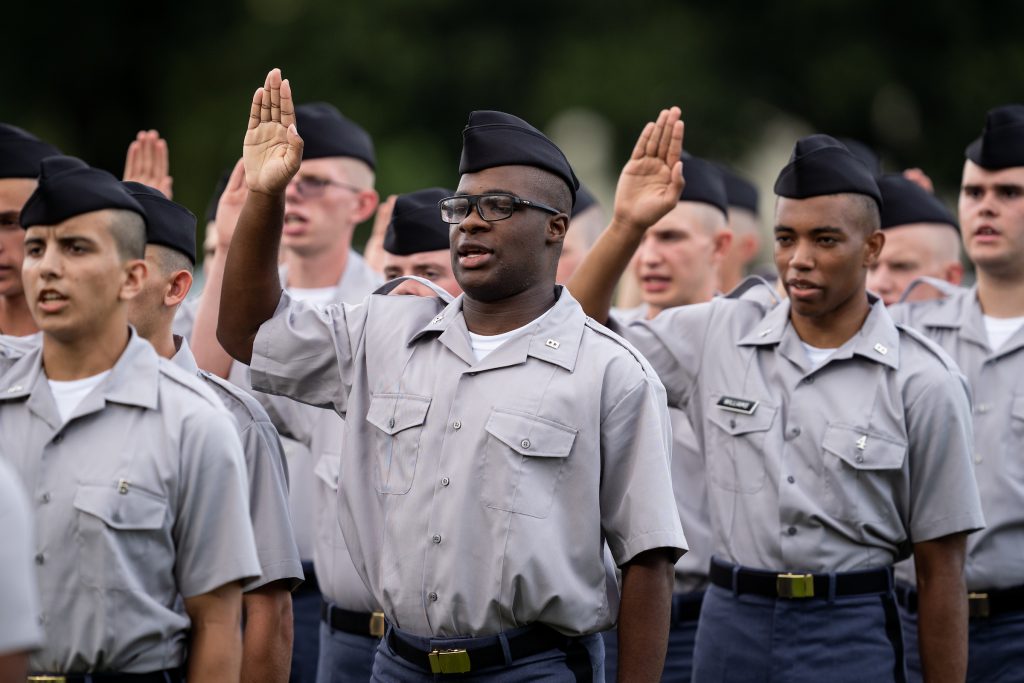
[(474, 200), (321, 184)]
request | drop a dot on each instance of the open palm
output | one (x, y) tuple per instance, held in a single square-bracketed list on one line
[(652, 180), (272, 150)]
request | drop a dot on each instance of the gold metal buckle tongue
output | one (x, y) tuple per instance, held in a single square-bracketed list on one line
[(47, 679), (448, 661), (978, 605), (377, 624), (795, 585)]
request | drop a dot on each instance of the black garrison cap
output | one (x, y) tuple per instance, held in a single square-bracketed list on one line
[(740, 192), (168, 223), (704, 183), (1001, 144), (867, 156), (905, 202), (69, 187), (326, 133), (21, 152), (416, 224), (218, 190), (584, 200), (821, 165), (493, 138)]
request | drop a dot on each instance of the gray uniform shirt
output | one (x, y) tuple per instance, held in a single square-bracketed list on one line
[(139, 500), (995, 556), (268, 479), (19, 599), (836, 468), (476, 497)]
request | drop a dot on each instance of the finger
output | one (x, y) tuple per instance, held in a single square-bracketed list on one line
[(160, 160), (168, 187), (665, 143), (675, 147), (265, 99), (287, 105), (293, 155), (655, 139), (676, 181), (641, 142), (275, 96), (146, 155), (130, 160), (254, 110)]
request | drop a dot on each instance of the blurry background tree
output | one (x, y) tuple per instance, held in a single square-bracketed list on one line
[(911, 79)]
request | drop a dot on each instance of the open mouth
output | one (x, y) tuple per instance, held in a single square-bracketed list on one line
[(51, 301), (655, 283), (802, 288), (986, 231), (294, 223), (473, 255)]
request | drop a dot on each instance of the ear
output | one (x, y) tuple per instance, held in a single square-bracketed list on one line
[(722, 241), (750, 244), (873, 248), (557, 226), (366, 205), (954, 273), (177, 288), (135, 272)]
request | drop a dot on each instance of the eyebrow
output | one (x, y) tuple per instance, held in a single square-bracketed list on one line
[(823, 230), (997, 186), (10, 215), (493, 190)]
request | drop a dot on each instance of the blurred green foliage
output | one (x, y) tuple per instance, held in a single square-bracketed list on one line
[(911, 79)]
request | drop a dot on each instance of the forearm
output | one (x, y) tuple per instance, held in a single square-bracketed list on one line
[(644, 615), (251, 288), (942, 628), (593, 283), (210, 355), (267, 640), (215, 651), (13, 667)]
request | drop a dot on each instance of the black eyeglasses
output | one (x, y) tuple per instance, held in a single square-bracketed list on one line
[(491, 207), (311, 187)]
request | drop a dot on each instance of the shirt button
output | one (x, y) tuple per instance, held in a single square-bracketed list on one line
[(794, 432), (39, 558), (791, 479), (445, 481), (791, 531), (808, 380), (860, 458), (45, 497), (732, 423), (58, 438), (391, 423), (456, 425), (977, 458), (432, 597), (984, 408), (436, 538), (525, 444)]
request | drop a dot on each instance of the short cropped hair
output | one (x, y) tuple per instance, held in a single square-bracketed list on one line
[(170, 260), (129, 232)]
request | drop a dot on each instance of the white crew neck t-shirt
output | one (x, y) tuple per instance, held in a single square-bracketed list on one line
[(67, 395), (1000, 330), (318, 296), (817, 356), (484, 344)]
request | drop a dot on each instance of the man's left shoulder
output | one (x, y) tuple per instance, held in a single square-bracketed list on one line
[(244, 407), (916, 348), (609, 346)]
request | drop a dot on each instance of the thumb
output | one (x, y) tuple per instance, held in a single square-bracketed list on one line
[(677, 183), (295, 145)]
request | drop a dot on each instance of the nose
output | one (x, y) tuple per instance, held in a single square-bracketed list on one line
[(803, 256), (291, 192), (473, 223)]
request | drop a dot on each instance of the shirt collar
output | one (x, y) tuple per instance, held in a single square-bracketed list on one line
[(184, 358)]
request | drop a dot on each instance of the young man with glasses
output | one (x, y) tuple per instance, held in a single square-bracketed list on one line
[(480, 480)]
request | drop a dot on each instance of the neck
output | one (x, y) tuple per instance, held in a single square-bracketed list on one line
[(1000, 297), (706, 293), (729, 278), (65, 360), (496, 317), (15, 316), (163, 342), (834, 329), (320, 269)]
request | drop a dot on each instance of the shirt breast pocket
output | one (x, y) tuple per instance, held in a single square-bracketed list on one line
[(735, 449), (862, 468), (120, 535), (398, 419), (525, 457)]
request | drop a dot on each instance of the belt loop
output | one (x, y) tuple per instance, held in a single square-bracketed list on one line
[(890, 577), (505, 649), (831, 587), (735, 579), (330, 617)]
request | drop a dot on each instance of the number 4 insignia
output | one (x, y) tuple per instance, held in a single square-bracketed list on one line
[(862, 441)]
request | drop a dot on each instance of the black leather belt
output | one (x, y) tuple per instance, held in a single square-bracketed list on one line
[(309, 583), (686, 607), (525, 644), (801, 586), (359, 623), (166, 676), (985, 604)]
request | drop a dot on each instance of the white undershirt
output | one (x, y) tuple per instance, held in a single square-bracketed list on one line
[(1000, 330), (817, 356), (484, 344), (68, 395), (318, 296)]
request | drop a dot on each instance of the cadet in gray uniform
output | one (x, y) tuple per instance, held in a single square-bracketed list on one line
[(836, 442), (677, 265), (981, 328), (20, 154), (491, 445), (133, 468), (19, 601), (170, 254)]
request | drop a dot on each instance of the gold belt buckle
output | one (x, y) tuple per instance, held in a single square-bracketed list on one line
[(795, 585), (448, 661), (47, 679), (377, 624), (978, 605)]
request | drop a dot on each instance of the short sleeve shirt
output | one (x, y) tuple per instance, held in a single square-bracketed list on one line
[(19, 599), (139, 501), (476, 497), (834, 468), (995, 555)]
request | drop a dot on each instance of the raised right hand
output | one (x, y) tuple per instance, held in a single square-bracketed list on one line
[(229, 206), (652, 179), (272, 150)]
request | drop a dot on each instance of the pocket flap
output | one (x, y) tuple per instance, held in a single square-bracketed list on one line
[(391, 413), (530, 435), (328, 467), (865, 450), (737, 423), (136, 509)]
